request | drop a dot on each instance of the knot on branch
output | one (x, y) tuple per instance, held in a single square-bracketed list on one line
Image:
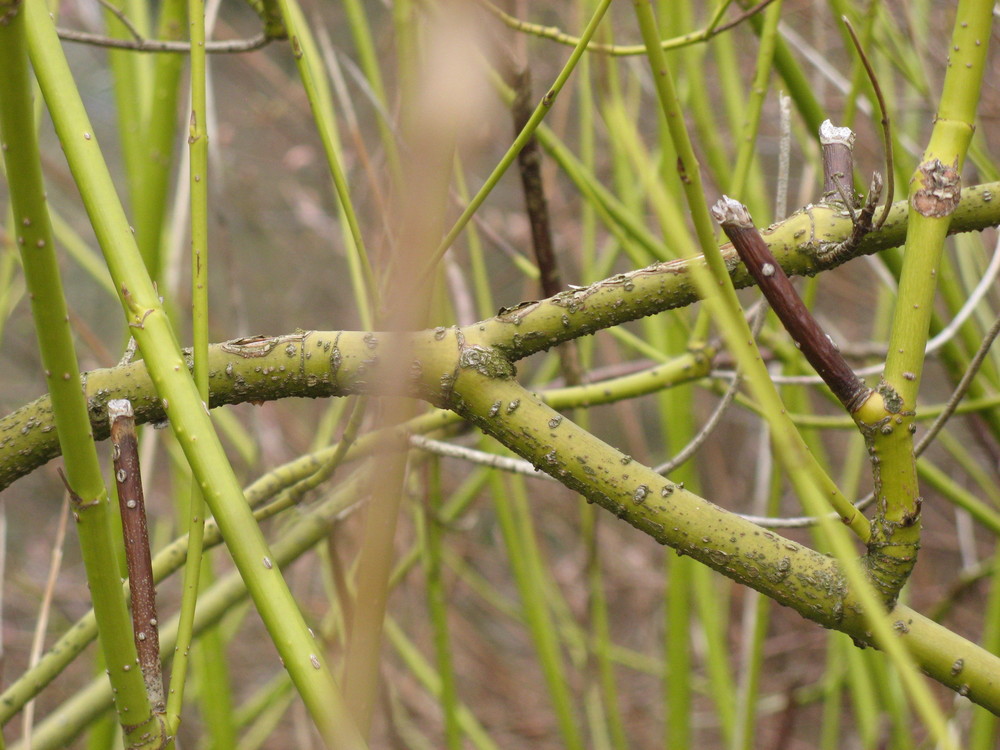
[(942, 188), (487, 361), (889, 562)]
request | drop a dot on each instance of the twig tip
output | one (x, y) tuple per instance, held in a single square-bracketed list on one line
[(119, 407), (730, 212), (830, 134)]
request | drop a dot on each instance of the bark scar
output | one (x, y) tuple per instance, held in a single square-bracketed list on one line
[(941, 191)]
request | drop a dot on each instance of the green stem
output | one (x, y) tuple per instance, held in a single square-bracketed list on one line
[(887, 421), (159, 131), (198, 189), (753, 109), (317, 90), (530, 576), (368, 56), (432, 548)]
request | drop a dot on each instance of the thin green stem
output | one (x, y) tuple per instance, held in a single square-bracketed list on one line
[(433, 532), (368, 55), (159, 131), (317, 89), (525, 562), (752, 111), (198, 189)]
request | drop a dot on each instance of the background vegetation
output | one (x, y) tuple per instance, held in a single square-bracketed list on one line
[(516, 614)]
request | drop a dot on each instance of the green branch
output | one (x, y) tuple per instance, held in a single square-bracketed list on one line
[(319, 364), (887, 420), (812, 583)]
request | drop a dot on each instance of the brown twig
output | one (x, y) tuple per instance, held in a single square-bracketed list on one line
[(529, 162), (122, 18), (838, 179), (45, 607), (960, 390), (817, 347), (142, 590), (886, 127), (838, 161)]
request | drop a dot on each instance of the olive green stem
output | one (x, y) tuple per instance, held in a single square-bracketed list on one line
[(814, 584), (711, 29), (198, 190), (311, 365)]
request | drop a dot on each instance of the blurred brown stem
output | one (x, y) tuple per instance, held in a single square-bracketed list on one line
[(529, 163)]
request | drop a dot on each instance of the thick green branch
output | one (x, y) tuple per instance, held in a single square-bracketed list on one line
[(313, 364), (811, 583), (798, 243), (935, 189), (335, 363)]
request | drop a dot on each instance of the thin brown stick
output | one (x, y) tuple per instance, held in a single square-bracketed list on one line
[(41, 626), (529, 162), (960, 390), (817, 347), (142, 590), (838, 162), (122, 18), (890, 184)]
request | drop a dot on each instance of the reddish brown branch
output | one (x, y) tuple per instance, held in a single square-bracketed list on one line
[(142, 590), (817, 347), (886, 125)]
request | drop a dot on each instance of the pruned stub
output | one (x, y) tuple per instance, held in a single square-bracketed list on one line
[(941, 191)]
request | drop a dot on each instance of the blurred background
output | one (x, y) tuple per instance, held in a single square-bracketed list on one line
[(625, 614)]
